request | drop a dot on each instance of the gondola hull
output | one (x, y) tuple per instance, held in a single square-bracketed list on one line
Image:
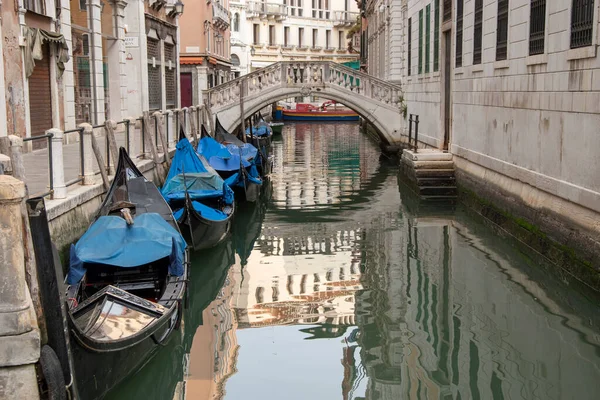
[(250, 192), (203, 233), (121, 312)]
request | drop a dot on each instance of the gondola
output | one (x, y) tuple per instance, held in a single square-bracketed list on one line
[(202, 203), (256, 152), (127, 282), (260, 134), (231, 162)]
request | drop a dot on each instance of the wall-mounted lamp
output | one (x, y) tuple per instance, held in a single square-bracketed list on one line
[(177, 9), (252, 51)]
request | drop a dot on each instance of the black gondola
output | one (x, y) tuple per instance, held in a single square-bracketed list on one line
[(202, 203), (127, 282)]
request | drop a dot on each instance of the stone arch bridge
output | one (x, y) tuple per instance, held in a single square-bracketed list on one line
[(377, 101)]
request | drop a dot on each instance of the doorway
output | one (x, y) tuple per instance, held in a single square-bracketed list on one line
[(447, 77), (186, 89)]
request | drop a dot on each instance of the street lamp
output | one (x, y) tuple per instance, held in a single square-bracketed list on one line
[(177, 9), (252, 51)]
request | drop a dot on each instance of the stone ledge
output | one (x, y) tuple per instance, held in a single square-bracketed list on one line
[(20, 349), (18, 383), (561, 189)]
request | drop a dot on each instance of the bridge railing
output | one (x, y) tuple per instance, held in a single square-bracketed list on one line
[(309, 74)]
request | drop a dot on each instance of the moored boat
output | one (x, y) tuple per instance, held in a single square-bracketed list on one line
[(231, 163), (202, 203), (276, 127), (127, 282), (328, 111)]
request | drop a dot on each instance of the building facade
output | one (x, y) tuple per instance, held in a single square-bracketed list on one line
[(512, 89), (289, 30), (205, 48)]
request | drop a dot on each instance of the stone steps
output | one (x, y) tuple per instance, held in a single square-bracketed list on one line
[(431, 174)]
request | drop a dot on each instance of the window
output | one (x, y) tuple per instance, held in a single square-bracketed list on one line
[(286, 36), (436, 36), (300, 37), (447, 10), (327, 39), (272, 35), (315, 37), (236, 22), (537, 27), (36, 6), (459, 33), (409, 45), (154, 74), (421, 42), (502, 31), (170, 75), (235, 60), (427, 36), (85, 44), (341, 40), (83, 5), (320, 9), (256, 34), (582, 23), (477, 32)]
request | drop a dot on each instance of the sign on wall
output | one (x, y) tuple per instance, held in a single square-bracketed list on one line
[(132, 41)]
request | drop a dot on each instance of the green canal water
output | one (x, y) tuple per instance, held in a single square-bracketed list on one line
[(339, 284)]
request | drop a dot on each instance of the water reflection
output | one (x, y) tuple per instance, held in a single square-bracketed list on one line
[(345, 287)]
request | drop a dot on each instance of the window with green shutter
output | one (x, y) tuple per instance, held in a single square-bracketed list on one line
[(427, 36), (421, 42), (436, 36)]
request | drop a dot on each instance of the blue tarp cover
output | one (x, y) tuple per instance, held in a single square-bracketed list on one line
[(110, 241), (201, 180), (261, 129), (204, 210), (247, 151), (219, 156)]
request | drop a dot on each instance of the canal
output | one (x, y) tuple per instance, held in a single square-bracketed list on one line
[(341, 285)]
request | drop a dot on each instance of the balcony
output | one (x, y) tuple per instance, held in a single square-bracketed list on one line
[(316, 48), (329, 49), (344, 18), (220, 16), (256, 9)]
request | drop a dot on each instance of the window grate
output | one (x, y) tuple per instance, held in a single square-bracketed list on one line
[(153, 47), (459, 33), (582, 23), (427, 36), (154, 87), (447, 9), (436, 36), (409, 46), (502, 31), (171, 88), (537, 27), (477, 32), (170, 53)]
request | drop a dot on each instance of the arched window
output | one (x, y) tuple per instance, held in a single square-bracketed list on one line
[(235, 60), (236, 22)]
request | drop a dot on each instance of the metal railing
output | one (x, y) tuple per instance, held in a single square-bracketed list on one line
[(48, 137), (81, 158), (90, 155), (410, 124)]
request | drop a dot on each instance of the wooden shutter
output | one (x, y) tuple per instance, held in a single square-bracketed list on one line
[(40, 98)]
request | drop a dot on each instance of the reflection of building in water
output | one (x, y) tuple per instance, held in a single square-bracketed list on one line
[(300, 280), (320, 164), (443, 315), (214, 348)]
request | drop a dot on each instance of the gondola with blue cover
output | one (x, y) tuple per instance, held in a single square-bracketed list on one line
[(235, 164), (127, 280), (260, 135), (202, 203)]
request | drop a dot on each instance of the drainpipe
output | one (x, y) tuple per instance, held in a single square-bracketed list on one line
[(93, 62)]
